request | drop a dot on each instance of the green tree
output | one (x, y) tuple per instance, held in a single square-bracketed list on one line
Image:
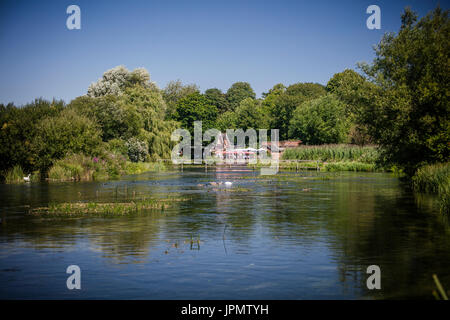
[(282, 103), (320, 121), (18, 129), (173, 92), (116, 118), (249, 114), (344, 85), (156, 129), (410, 116), (238, 92), (196, 107), (117, 79), (68, 132), (217, 98)]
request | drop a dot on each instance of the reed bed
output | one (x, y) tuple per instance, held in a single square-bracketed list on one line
[(434, 178), (333, 152)]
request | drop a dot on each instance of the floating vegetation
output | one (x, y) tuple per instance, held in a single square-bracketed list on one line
[(100, 208)]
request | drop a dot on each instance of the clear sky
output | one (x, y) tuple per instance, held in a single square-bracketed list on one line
[(210, 43)]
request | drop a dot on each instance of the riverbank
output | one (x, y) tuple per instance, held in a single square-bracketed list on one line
[(78, 167), (434, 178)]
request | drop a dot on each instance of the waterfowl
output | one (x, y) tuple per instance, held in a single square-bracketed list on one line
[(228, 183), (27, 178)]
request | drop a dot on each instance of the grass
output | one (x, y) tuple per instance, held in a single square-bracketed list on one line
[(108, 209), (14, 175), (434, 178), (333, 152), (350, 166), (141, 167)]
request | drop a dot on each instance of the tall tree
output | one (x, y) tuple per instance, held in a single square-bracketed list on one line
[(409, 112), (238, 92), (117, 79), (175, 91), (283, 102), (196, 107), (217, 98)]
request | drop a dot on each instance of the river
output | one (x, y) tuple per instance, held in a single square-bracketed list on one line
[(307, 235)]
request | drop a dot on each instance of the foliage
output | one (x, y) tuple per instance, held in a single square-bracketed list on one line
[(14, 175), (116, 118), (65, 133), (320, 121), (141, 167), (196, 107), (17, 130), (281, 103), (137, 150), (350, 166), (238, 92), (249, 114), (218, 99), (406, 110), (434, 178), (226, 120), (79, 167), (428, 178), (117, 79), (336, 152), (175, 91)]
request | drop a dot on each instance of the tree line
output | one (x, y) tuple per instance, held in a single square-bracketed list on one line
[(400, 102)]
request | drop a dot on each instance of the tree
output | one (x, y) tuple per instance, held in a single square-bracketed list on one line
[(196, 107), (156, 129), (18, 129), (411, 77), (116, 118), (117, 79), (67, 132), (282, 103), (173, 92), (344, 85), (238, 92), (320, 121), (250, 114), (217, 98)]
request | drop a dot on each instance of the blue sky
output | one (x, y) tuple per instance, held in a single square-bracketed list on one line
[(210, 43)]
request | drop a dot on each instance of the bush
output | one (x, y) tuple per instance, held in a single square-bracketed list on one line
[(66, 133), (137, 150), (79, 167), (320, 121)]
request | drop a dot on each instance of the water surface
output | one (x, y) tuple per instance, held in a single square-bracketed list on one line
[(300, 236)]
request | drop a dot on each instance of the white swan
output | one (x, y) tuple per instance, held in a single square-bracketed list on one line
[(228, 183), (27, 178)]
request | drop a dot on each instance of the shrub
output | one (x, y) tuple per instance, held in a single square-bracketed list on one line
[(320, 121), (137, 149)]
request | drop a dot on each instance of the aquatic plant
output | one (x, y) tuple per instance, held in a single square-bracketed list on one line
[(106, 208), (434, 178), (14, 175)]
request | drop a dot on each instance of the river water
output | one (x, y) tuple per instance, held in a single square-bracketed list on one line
[(307, 235)]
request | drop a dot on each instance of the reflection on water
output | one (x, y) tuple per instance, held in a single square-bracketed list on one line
[(295, 236)]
